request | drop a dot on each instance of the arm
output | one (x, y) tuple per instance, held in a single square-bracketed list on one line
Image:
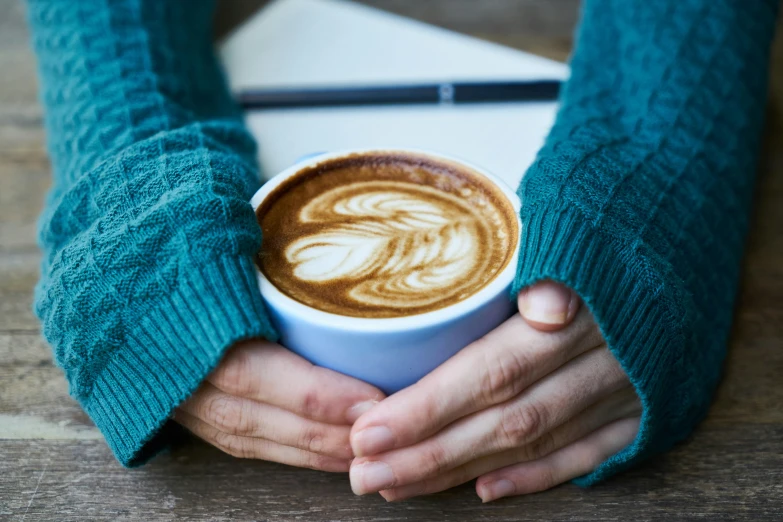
[(147, 233), (639, 202), (640, 198)]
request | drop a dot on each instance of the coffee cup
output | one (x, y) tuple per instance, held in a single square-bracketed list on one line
[(395, 328)]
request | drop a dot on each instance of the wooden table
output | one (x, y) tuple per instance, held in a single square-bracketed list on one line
[(54, 464)]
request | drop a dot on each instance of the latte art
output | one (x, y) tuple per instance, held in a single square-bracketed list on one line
[(401, 244), (390, 237)]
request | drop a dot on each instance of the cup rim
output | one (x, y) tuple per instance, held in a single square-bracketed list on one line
[(291, 307)]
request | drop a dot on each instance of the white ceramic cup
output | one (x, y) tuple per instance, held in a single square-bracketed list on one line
[(390, 353)]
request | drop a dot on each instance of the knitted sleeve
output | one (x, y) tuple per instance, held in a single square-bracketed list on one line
[(148, 237), (640, 198)]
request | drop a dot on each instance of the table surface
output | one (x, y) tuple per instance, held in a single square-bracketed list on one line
[(54, 464)]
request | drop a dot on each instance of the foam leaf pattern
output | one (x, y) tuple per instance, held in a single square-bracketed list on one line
[(389, 244)]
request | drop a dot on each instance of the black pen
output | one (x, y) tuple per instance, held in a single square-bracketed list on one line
[(444, 93)]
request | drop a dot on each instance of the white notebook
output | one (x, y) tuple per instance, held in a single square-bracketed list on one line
[(311, 43)]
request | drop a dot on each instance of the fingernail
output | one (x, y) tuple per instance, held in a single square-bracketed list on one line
[(498, 489), (371, 441), (371, 477), (547, 304), (359, 409)]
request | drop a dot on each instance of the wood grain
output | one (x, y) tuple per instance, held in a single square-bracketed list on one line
[(54, 465), (544, 27), (727, 472)]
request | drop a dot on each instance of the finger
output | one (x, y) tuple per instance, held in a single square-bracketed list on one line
[(488, 372), (619, 405), (515, 424), (548, 306), (262, 449), (573, 461), (247, 418), (555, 399), (269, 373)]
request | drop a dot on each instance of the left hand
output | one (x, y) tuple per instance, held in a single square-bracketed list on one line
[(522, 409)]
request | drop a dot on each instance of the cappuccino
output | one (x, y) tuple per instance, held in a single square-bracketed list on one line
[(383, 235)]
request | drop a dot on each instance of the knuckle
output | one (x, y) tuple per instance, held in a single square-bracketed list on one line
[(434, 459), (231, 444), (431, 405), (545, 480), (226, 414), (315, 461), (312, 440), (541, 447), (233, 374), (504, 375), (520, 424), (312, 404)]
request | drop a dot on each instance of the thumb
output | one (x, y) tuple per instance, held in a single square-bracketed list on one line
[(548, 306)]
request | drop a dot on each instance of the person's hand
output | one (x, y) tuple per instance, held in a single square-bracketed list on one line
[(265, 402), (522, 409)]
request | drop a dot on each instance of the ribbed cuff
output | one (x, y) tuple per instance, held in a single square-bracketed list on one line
[(171, 351), (637, 315)]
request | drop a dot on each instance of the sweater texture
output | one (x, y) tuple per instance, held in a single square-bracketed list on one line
[(639, 200)]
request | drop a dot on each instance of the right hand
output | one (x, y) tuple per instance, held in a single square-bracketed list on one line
[(265, 402)]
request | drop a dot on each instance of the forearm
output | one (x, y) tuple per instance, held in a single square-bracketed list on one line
[(640, 198), (148, 235), (116, 72)]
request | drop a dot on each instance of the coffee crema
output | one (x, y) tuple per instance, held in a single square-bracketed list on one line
[(383, 235)]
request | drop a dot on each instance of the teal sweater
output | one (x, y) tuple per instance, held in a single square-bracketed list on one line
[(639, 200)]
